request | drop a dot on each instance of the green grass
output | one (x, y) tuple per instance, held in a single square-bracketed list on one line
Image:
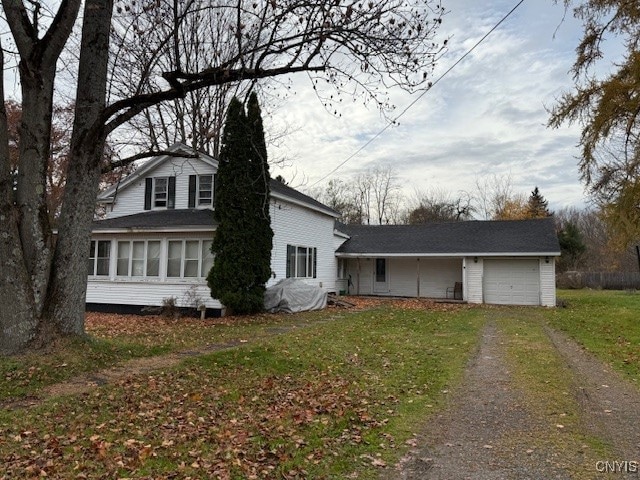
[(606, 323), (549, 392), (337, 398), (120, 338)]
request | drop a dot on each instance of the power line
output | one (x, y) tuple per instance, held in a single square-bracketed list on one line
[(455, 64)]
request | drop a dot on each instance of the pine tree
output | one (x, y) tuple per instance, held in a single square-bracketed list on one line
[(239, 273), (572, 246), (537, 206)]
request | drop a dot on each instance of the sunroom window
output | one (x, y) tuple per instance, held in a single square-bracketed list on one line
[(138, 258), (99, 258), (189, 258)]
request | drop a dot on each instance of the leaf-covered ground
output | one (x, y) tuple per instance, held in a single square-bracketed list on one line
[(333, 394)]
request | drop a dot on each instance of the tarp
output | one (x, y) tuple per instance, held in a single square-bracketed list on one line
[(293, 295)]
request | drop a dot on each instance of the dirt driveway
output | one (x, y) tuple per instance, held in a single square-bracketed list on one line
[(493, 428)]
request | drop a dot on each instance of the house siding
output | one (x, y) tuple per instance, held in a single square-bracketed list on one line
[(295, 225), (151, 293), (548, 282), (473, 272), (436, 275), (130, 200)]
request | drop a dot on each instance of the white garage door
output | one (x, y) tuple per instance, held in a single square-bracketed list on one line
[(512, 282)]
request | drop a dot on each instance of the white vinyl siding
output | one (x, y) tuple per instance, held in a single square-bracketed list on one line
[(295, 225), (473, 284), (548, 282), (141, 292)]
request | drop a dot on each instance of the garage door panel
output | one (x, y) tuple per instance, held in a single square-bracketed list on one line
[(512, 282)]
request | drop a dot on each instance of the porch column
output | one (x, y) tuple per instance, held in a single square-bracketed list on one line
[(418, 276), (358, 278)]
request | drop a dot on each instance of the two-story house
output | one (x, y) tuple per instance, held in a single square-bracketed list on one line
[(155, 240), (155, 244)]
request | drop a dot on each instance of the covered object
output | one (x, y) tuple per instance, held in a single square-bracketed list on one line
[(293, 295)]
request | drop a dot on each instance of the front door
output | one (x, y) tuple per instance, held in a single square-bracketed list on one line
[(381, 278)]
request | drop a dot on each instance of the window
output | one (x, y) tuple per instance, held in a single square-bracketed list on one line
[(301, 261), (160, 191), (189, 258), (205, 189), (99, 257), (201, 190), (138, 258), (381, 270)]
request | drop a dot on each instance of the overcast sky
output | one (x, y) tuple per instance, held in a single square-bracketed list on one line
[(486, 117)]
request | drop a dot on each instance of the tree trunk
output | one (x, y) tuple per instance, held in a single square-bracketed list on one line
[(66, 301), (17, 319)]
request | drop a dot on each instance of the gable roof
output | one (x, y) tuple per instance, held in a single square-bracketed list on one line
[(158, 220), (176, 149), (278, 189), (285, 192), (515, 237)]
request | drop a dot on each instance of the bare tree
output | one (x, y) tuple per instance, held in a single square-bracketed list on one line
[(356, 49), (495, 198), (438, 205)]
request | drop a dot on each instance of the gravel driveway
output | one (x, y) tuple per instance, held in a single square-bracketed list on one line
[(488, 431)]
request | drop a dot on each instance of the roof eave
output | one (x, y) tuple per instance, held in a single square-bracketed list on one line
[(457, 255)]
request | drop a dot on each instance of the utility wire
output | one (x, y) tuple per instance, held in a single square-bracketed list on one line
[(467, 53)]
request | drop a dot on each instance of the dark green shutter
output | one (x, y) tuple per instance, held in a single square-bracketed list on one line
[(171, 203), (192, 191), (148, 191)]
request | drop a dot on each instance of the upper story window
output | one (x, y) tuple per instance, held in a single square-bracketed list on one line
[(201, 190), (205, 189), (99, 258), (159, 192)]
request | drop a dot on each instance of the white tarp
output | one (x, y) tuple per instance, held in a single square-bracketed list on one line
[(292, 295)]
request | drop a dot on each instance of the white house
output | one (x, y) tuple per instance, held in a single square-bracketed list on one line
[(154, 244)]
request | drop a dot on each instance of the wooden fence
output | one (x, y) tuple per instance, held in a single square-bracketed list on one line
[(599, 280)]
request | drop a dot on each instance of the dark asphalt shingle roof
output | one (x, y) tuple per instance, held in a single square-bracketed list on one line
[(157, 219), (282, 189), (473, 237)]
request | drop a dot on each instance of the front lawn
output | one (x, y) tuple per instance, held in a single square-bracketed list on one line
[(606, 323), (337, 399)]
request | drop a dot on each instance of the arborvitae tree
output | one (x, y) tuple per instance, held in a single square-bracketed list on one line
[(260, 179), (537, 206), (242, 243)]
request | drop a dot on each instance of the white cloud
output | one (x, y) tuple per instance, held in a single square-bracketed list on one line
[(487, 117)]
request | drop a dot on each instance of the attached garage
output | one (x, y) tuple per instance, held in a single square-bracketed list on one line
[(498, 262), (511, 281)]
